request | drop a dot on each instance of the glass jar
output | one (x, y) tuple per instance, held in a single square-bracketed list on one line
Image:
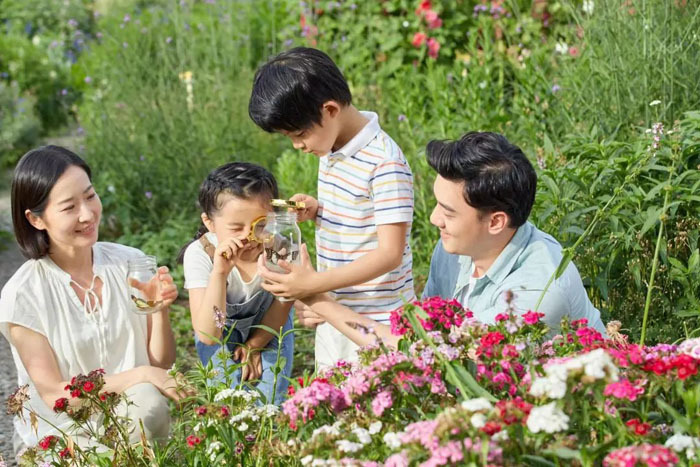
[(281, 239), (141, 272)]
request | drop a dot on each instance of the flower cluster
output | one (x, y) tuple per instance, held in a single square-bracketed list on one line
[(433, 21), (441, 315), (651, 455)]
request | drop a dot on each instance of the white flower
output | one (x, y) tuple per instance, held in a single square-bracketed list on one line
[(392, 440), (268, 410), (547, 418), (478, 420), (549, 386), (326, 429), (679, 442), (307, 460), (363, 435), (588, 7), (482, 85), (197, 427), (654, 103), (223, 394), (36, 40), (375, 427), (348, 446), (500, 436), (474, 405), (561, 48), (111, 189), (213, 449), (405, 24), (243, 426)]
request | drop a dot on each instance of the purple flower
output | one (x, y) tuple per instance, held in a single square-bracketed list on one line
[(125, 44), (127, 18), (402, 117), (148, 194), (72, 23), (168, 40), (64, 92), (87, 80), (556, 88), (288, 42), (98, 35), (142, 158)]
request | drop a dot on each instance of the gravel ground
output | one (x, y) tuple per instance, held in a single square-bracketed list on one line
[(10, 260)]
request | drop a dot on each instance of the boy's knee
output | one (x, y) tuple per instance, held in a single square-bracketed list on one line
[(152, 408)]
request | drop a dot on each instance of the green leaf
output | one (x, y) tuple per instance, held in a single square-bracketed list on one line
[(565, 453), (536, 461), (564, 263), (653, 215)]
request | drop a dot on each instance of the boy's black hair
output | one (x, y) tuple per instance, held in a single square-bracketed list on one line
[(238, 179), (289, 91), (496, 174), (34, 177)]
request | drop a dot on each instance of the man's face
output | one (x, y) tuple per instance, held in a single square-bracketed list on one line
[(462, 229)]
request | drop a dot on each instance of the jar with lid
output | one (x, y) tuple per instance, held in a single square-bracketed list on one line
[(281, 239)]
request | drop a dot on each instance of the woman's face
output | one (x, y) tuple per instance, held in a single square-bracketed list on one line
[(73, 211)]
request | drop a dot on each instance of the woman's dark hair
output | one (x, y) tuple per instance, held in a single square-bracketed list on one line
[(289, 91), (496, 174), (238, 179), (34, 177)]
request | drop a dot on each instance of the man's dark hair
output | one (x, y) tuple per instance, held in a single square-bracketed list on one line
[(289, 91), (496, 174), (34, 177)]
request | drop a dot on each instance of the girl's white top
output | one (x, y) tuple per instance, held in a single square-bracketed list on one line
[(39, 297), (198, 266)]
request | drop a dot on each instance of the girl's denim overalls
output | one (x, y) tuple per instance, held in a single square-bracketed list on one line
[(239, 319)]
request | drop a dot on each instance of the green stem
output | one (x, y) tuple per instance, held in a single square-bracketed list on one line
[(657, 249)]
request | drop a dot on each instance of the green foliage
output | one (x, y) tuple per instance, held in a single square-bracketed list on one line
[(19, 125)]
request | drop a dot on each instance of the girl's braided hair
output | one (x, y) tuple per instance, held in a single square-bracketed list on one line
[(241, 180)]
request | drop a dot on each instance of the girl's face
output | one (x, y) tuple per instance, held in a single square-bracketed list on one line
[(235, 217), (73, 211)]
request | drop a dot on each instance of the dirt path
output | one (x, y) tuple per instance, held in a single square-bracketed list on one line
[(10, 260)]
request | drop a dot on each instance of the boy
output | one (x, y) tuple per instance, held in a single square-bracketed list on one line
[(364, 209)]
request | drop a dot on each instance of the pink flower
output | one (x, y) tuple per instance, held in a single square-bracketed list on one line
[(433, 20), (573, 51), (419, 39), (651, 455), (433, 47), (532, 317), (381, 402), (397, 460)]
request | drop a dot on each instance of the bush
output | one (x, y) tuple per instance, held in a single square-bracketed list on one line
[(19, 125)]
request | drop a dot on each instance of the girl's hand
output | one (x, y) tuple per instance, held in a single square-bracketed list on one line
[(175, 388), (226, 254), (253, 363)]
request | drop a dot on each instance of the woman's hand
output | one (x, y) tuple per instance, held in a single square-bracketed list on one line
[(160, 288), (174, 387), (253, 363)]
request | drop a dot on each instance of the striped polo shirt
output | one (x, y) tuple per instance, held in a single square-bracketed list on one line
[(364, 184)]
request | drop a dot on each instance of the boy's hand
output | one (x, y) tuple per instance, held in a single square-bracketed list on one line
[(299, 281), (306, 316), (310, 211), (252, 370), (226, 255)]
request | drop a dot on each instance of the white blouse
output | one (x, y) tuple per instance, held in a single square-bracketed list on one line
[(39, 297)]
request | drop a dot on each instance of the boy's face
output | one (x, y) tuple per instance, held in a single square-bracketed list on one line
[(319, 139)]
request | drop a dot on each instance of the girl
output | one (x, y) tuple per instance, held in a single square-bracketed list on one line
[(66, 310), (221, 274)]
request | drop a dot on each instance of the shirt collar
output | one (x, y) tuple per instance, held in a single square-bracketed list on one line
[(503, 265), (97, 265), (361, 139)]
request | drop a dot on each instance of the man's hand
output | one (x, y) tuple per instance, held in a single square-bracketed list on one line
[(252, 370), (310, 211), (299, 281), (306, 316)]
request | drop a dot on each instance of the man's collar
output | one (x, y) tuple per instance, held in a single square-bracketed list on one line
[(503, 265), (361, 139)]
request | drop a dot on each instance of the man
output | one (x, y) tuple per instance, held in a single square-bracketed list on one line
[(485, 189)]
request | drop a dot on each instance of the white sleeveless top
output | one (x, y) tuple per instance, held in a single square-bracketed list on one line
[(39, 297)]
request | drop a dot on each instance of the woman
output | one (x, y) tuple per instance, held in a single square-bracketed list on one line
[(66, 310)]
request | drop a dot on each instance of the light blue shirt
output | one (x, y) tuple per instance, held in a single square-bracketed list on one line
[(523, 267)]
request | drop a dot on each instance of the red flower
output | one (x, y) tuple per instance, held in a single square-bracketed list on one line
[(491, 339), (88, 386), (432, 19), (225, 412), (491, 428), (425, 5), (193, 441), (48, 442), (65, 453), (640, 428), (573, 51), (433, 47), (75, 393), (419, 39), (201, 410), (501, 317), (60, 405)]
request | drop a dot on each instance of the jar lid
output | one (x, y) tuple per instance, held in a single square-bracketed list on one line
[(284, 203)]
